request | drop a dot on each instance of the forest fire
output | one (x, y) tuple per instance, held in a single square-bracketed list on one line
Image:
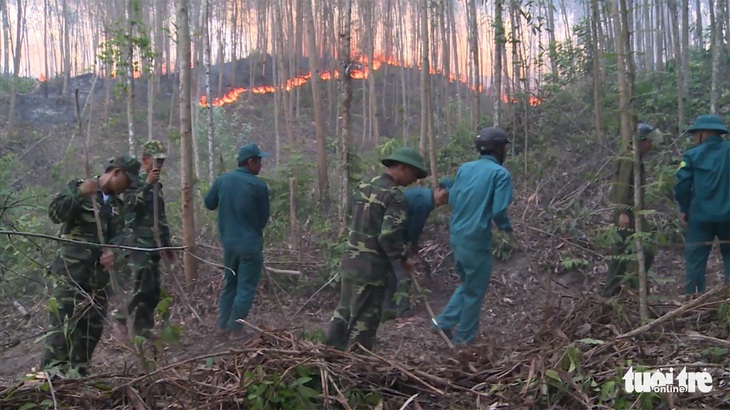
[(359, 72)]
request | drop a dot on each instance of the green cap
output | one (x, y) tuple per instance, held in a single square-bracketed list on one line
[(708, 122), (154, 149), (128, 163), (250, 151), (407, 156)]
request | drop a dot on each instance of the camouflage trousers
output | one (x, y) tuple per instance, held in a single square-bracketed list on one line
[(77, 311), (146, 294), (622, 271), (357, 315), (397, 300), (139, 290)]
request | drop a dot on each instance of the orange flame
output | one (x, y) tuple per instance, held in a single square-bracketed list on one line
[(359, 71), (42, 78), (135, 75)]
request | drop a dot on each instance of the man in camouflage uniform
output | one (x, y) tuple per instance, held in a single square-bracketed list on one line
[(622, 198), (79, 301), (374, 245), (140, 217)]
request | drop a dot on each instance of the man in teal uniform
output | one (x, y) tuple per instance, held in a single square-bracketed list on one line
[(702, 190), (81, 271), (421, 202), (242, 201), (374, 245), (481, 194)]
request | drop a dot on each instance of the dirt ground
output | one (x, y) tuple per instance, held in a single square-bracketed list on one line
[(512, 312)]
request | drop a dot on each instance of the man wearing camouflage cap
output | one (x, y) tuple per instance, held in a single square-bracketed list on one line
[(139, 201), (79, 300), (622, 200)]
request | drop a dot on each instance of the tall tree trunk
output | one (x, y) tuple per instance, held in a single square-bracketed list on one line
[(716, 47), (20, 7), (66, 48), (498, 47), (209, 106), (186, 144), (700, 44), (131, 17), (685, 47), (345, 102), (425, 79), (322, 179), (46, 72), (597, 85), (659, 36), (679, 65), (474, 48)]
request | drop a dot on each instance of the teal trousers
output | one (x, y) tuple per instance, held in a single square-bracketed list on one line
[(464, 308), (698, 243), (243, 272)]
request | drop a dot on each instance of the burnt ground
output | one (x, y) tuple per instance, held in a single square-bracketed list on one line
[(512, 313)]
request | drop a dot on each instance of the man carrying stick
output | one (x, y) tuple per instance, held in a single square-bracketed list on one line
[(139, 203), (78, 305)]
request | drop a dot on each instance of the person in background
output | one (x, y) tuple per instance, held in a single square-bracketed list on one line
[(242, 201), (421, 202), (375, 244), (622, 198), (139, 204), (702, 190), (482, 193), (79, 302)]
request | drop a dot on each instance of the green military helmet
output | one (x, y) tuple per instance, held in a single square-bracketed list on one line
[(154, 149), (128, 163), (709, 122), (408, 156)]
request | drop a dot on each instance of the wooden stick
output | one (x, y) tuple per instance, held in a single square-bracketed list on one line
[(102, 245), (431, 313), (674, 313)]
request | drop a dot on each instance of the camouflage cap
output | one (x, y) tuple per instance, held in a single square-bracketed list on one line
[(154, 149), (128, 163)]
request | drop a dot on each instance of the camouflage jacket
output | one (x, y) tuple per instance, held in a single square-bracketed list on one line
[(139, 213), (377, 227), (76, 212), (622, 191)]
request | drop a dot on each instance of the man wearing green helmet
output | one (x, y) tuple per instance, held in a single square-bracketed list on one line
[(622, 198), (375, 243), (481, 194), (702, 190)]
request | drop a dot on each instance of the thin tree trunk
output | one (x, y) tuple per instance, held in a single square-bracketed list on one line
[(679, 63), (498, 47), (186, 144), (209, 106), (597, 85), (345, 102), (130, 76), (20, 7), (322, 178), (716, 47), (474, 47), (66, 49)]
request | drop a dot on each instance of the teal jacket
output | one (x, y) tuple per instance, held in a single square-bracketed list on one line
[(481, 193), (242, 201), (420, 206), (702, 188)]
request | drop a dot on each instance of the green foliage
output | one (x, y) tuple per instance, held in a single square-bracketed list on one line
[(25, 84)]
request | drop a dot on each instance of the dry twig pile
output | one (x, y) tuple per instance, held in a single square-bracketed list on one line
[(578, 363)]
